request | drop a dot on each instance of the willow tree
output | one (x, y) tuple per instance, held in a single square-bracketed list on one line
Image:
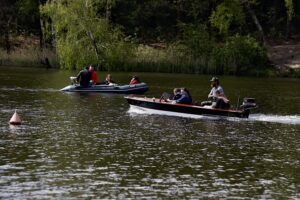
[(81, 36)]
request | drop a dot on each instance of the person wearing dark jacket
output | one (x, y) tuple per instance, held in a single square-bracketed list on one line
[(185, 97), (84, 77), (177, 94)]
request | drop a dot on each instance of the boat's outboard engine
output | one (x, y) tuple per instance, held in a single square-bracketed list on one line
[(249, 103), (73, 80)]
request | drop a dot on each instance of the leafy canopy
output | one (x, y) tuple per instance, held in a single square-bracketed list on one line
[(227, 14), (82, 37)]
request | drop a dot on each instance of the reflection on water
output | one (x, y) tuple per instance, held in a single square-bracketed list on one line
[(74, 146)]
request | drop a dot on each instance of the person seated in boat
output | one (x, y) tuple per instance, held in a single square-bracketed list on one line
[(108, 80), (168, 97), (94, 77), (216, 96), (221, 101), (177, 93), (134, 80), (84, 77), (185, 98)]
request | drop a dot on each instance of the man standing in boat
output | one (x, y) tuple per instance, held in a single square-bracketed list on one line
[(84, 77), (217, 96)]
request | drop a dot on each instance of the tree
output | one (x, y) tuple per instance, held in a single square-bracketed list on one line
[(227, 14), (7, 22), (246, 4), (81, 36), (290, 14)]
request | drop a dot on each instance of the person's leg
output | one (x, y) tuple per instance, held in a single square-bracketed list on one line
[(206, 103), (222, 104)]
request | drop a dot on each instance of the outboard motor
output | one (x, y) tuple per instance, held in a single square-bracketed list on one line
[(249, 103), (73, 80)]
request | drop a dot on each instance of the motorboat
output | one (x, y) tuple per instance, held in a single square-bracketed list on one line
[(162, 105)]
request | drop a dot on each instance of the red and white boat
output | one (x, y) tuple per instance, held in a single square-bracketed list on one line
[(156, 104)]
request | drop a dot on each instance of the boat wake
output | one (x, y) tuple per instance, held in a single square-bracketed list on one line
[(146, 111), (283, 119)]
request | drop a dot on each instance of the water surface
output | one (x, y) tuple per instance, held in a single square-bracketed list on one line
[(92, 146)]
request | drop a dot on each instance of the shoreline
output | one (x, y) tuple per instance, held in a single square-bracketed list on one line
[(284, 60), (41, 66)]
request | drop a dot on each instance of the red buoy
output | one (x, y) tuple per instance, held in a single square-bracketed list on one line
[(15, 119)]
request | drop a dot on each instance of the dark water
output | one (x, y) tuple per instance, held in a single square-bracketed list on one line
[(74, 146)]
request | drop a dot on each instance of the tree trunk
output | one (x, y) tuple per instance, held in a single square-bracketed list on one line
[(288, 29), (108, 9), (91, 36), (245, 3), (6, 35), (7, 43), (41, 31)]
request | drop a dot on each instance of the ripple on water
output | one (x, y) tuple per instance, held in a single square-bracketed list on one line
[(86, 147)]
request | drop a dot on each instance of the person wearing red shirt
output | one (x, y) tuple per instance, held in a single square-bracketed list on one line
[(134, 80), (94, 77)]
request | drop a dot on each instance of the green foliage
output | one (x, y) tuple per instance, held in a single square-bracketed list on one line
[(119, 58), (28, 13), (227, 14), (81, 36), (289, 9), (193, 36), (196, 39), (239, 55)]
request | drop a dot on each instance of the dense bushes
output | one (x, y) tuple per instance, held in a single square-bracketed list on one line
[(197, 53), (84, 36), (240, 55)]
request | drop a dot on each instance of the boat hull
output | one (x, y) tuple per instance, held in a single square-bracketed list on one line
[(120, 89), (156, 104)]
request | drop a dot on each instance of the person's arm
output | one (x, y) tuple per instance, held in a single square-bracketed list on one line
[(181, 99), (221, 91), (78, 76), (224, 98), (211, 94)]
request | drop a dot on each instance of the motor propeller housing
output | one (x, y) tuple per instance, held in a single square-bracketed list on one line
[(249, 103)]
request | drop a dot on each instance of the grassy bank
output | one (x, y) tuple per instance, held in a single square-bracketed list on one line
[(31, 57), (172, 58), (25, 51), (178, 59), (146, 59)]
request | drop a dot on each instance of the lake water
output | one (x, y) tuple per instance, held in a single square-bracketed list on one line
[(92, 146)]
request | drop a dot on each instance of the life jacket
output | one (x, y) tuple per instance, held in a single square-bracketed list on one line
[(132, 82)]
